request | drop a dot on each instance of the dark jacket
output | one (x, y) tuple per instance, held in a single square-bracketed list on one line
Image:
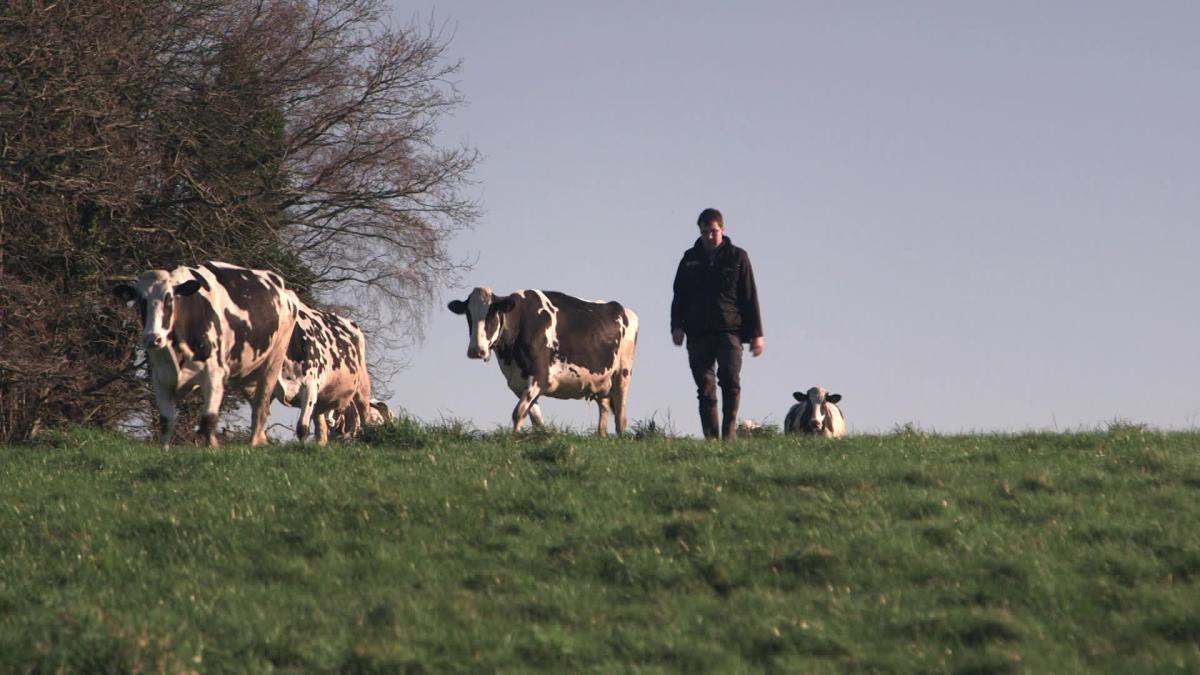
[(715, 293)]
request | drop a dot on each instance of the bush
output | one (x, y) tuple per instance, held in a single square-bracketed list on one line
[(652, 429), (402, 432)]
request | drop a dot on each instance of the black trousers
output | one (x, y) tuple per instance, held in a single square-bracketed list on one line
[(724, 351)]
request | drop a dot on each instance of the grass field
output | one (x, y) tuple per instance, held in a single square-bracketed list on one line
[(434, 549)]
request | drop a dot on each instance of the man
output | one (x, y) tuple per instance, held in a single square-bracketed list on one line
[(716, 308)]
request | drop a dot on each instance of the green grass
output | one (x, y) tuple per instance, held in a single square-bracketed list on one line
[(440, 549)]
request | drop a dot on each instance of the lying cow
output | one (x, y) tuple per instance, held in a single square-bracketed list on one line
[(325, 371), (815, 413), (379, 413), (341, 423), (208, 327), (552, 344)]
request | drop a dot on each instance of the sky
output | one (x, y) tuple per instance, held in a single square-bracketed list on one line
[(970, 217)]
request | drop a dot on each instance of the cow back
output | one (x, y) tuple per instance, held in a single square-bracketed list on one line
[(253, 310), (326, 352), (588, 334)]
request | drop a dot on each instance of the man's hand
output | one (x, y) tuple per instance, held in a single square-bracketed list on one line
[(677, 336), (757, 345)]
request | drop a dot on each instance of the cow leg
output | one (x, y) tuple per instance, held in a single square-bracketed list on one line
[(341, 420), (308, 401), (603, 403), (322, 430), (527, 400), (214, 392), (260, 408), (618, 404), (360, 407), (260, 399), (623, 375), (518, 415), (535, 415), (618, 396), (166, 415)]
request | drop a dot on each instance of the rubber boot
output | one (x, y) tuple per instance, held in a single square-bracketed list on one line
[(708, 419), (729, 409)]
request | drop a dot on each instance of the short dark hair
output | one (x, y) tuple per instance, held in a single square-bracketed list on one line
[(710, 216)]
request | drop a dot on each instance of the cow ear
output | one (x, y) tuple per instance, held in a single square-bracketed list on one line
[(125, 293), (833, 398), (800, 396), (457, 306), (187, 288), (506, 304), (199, 278)]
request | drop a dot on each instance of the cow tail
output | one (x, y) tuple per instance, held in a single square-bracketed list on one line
[(362, 398)]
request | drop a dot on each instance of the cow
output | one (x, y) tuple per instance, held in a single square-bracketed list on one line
[(379, 413), (208, 327), (325, 371), (340, 423), (749, 427), (552, 344), (815, 413)]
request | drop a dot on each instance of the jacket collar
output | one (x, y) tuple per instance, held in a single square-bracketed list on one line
[(726, 245)]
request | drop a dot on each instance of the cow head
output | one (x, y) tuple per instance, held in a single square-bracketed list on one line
[(485, 319), (379, 412), (816, 412), (155, 295)]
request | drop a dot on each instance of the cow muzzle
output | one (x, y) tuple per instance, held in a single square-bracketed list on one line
[(154, 341), (477, 353)]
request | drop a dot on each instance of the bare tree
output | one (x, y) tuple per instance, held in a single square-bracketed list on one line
[(351, 171)]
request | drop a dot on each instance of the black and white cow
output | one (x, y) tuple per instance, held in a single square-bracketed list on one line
[(552, 344), (815, 413), (325, 371), (208, 327)]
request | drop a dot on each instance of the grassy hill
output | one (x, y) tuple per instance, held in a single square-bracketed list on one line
[(436, 549)]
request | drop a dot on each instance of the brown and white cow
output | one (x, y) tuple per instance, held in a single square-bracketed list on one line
[(341, 423), (553, 344), (208, 327), (325, 371), (380, 412), (816, 413)]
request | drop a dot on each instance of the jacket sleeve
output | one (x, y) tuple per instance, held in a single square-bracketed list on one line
[(679, 299), (747, 296)]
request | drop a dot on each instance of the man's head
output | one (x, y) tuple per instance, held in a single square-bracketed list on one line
[(712, 228)]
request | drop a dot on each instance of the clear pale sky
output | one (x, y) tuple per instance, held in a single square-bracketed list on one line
[(969, 216)]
